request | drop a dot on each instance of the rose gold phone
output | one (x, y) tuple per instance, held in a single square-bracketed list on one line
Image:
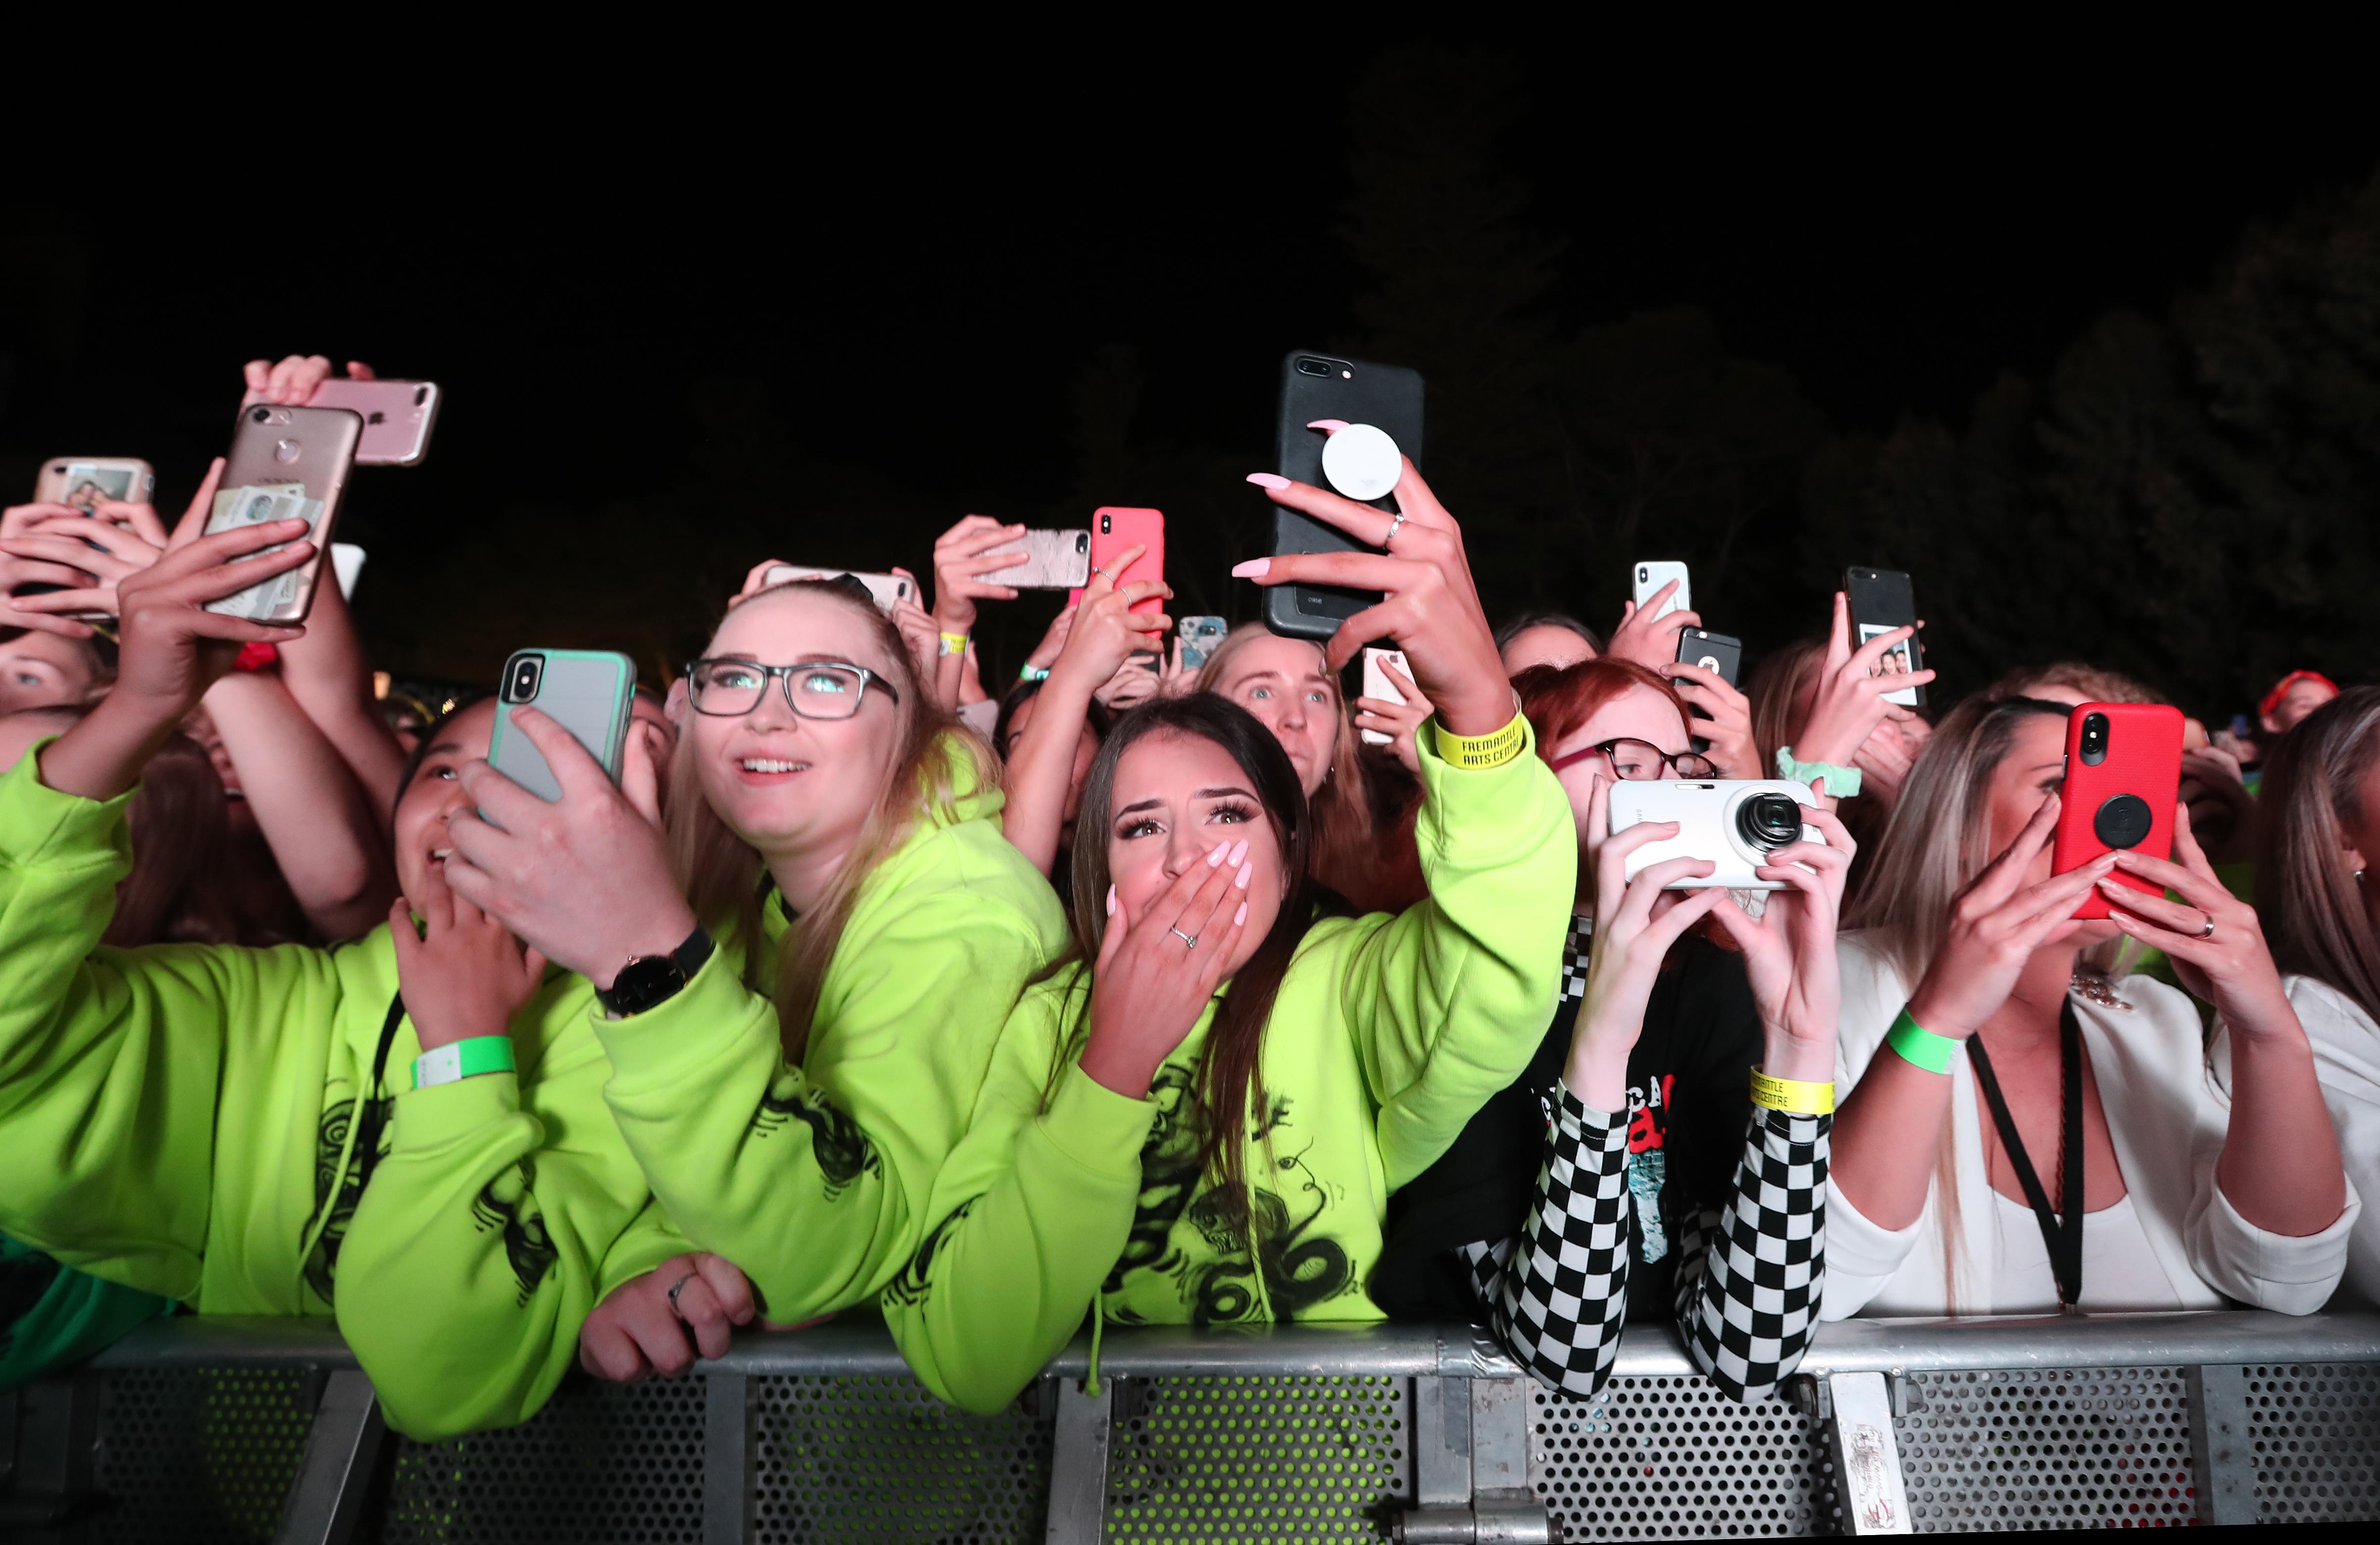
[(398, 416), (285, 463), (84, 480)]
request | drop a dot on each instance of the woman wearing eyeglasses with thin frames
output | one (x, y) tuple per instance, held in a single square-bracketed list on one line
[(1630, 1170)]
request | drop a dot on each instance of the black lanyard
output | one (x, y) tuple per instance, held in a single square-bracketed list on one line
[(2060, 1231)]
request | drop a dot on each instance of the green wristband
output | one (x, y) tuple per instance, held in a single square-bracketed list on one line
[(1034, 673), (463, 1059), (1919, 1046)]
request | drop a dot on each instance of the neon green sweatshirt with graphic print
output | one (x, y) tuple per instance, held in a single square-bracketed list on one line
[(814, 1179), (1388, 1033), (197, 1121)]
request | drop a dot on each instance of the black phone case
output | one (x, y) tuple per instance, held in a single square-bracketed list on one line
[(1697, 644), (1882, 598), (1388, 397)]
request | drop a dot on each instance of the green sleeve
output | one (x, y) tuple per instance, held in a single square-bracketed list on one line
[(814, 1179), (1449, 1000), (52, 1316), (478, 1248), (112, 1062), (1035, 1209), (643, 1246)]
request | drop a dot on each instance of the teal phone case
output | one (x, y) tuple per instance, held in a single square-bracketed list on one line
[(588, 692)]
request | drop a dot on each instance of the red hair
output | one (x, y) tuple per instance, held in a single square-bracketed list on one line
[(1558, 701)]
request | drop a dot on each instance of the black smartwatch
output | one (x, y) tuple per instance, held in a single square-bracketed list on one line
[(652, 979)]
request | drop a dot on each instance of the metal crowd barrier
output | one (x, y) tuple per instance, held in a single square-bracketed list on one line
[(220, 1430)]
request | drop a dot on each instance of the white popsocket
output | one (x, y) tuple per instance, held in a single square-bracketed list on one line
[(1362, 462)]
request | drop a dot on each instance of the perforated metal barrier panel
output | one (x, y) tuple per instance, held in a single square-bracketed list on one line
[(1305, 1434)]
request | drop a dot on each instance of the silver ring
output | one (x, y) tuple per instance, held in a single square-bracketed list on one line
[(1189, 938), (1394, 527), (2208, 931), (674, 1287)]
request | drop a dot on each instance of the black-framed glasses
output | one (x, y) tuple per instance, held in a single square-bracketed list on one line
[(815, 689), (1634, 760)]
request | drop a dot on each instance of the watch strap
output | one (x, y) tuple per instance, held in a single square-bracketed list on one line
[(688, 958)]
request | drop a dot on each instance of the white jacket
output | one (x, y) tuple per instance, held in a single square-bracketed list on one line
[(2166, 1112), (2347, 1060)]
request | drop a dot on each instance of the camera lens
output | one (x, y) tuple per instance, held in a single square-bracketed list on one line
[(260, 414), (1643, 572), (522, 687), (1313, 366), (421, 395), (2094, 739), (1768, 821)]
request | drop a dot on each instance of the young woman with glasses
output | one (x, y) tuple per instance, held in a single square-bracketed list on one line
[(1664, 1153), (803, 967)]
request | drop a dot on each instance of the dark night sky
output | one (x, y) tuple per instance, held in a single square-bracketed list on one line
[(919, 279)]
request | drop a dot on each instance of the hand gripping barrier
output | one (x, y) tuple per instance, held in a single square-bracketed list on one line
[(224, 1430)]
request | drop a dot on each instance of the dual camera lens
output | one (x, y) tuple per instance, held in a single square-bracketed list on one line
[(520, 683), (2094, 739)]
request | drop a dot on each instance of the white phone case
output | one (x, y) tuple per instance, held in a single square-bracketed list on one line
[(1708, 814), (1649, 577), (1054, 561), (1378, 684)]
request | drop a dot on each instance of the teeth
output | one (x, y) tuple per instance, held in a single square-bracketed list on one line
[(772, 765)]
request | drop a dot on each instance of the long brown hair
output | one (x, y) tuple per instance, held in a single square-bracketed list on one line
[(1775, 692), (722, 874), (2310, 902), (1228, 1082), (181, 830)]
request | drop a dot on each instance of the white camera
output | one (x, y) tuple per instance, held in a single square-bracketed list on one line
[(1734, 825)]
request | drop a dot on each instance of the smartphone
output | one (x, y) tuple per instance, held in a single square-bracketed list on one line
[(882, 588), (1648, 582), (2123, 775), (1736, 825), (84, 480), (1313, 386), (1200, 637), (1114, 529), (1054, 561), (286, 463), (1713, 651), (1881, 601), (588, 692), (1378, 684), (398, 416)]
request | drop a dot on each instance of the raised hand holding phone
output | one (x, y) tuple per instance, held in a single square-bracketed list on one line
[(1651, 621), (1853, 698), (1429, 604), (977, 545)]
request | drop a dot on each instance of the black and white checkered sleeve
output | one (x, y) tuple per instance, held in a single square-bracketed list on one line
[(1556, 1293), (1749, 1276)]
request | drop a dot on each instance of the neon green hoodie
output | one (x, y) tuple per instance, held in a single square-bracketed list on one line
[(814, 1179), (1387, 1035), (183, 1119)]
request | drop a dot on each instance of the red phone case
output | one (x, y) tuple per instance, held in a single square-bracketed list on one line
[(1113, 529), (2143, 763)]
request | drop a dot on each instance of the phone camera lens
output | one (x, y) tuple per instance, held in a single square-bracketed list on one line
[(1768, 821), (258, 415), (1313, 366), (2094, 739), (421, 395), (1106, 524), (524, 681), (1643, 574)]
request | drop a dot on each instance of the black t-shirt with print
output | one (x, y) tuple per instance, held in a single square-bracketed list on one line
[(1689, 1098)]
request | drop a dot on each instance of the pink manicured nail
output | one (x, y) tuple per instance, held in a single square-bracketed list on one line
[(1255, 568), (1112, 900), (1247, 872), (1215, 859), (1241, 915), (1268, 479), (1240, 851), (1329, 426)]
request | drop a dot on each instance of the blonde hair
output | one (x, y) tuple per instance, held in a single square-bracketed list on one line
[(1939, 839), (722, 875), (2095, 683), (1346, 841)]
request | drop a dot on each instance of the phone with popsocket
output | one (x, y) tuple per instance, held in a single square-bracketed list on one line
[(1646, 582), (886, 590), (83, 481), (1113, 530), (1880, 600), (1378, 684), (2123, 776), (1201, 637), (1734, 825), (397, 414), (590, 693), (1056, 560), (1381, 406), (286, 463), (1715, 653)]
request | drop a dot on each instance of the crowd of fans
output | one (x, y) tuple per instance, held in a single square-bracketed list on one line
[(1139, 993)]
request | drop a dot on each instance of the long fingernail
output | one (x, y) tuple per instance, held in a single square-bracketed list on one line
[(1255, 568), (1330, 426), (1268, 479), (1247, 872), (1240, 851), (1112, 900), (1215, 859), (1241, 915)]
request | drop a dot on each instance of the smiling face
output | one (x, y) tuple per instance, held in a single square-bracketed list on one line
[(795, 787), (1638, 713), (1281, 681), (436, 792), (42, 670), (1176, 797)]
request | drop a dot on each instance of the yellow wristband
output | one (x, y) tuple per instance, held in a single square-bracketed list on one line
[(1792, 1096), (1479, 751), (954, 643)]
